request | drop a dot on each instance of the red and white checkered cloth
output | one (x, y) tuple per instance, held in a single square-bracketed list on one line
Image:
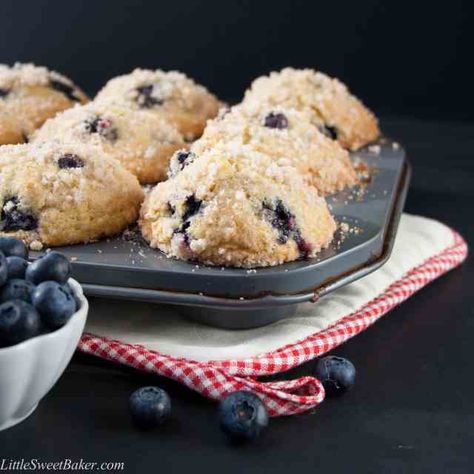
[(215, 379)]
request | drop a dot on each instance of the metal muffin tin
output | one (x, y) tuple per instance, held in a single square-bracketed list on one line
[(238, 298)]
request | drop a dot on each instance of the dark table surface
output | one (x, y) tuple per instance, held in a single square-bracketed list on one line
[(411, 411)]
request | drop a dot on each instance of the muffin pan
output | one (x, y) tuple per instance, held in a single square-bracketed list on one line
[(127, 268)]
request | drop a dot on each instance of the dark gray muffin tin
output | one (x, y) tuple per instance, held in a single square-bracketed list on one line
[(238, 298)]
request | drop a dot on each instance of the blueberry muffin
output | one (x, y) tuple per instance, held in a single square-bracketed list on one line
[(169, 95), (236, 207), (288, 136), (56, 194), (29, 95), (336, 112), (11, 130), (142, 141)]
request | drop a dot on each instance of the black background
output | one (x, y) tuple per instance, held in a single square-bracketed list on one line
[(412, 410), (403, 57)]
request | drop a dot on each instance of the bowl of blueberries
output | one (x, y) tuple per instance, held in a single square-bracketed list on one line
[(42, 316)]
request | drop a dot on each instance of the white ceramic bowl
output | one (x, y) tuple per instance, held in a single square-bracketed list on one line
[(29, 370)]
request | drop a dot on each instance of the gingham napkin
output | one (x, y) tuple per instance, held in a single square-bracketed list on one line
[(215, 361)]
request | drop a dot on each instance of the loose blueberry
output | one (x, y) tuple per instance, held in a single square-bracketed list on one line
[(336, 374), (66, 89), (70, 160), (3, 269), (242, 416), (54, 302), (18, 321), (149, 407), (329, 131), (53, 266), (3, 92), (11, 246), (145, 97), (102, 127), (16, 267), (69, 290), (16, 289), (15, 217), (276, 120)]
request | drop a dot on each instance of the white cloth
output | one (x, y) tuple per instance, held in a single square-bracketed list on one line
[(163, 329)]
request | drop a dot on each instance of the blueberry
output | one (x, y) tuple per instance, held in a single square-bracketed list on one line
[(180, 160), (3, 269), (276, 120), (69, 290), (16, 217), (284, 221), (54, 302), (336, 374), (145, 97), (53, 266), (16, 289), (3, 92), (242, 416), (149, 407), (11, 246), (18, 321), (171, 208), (183, 230), (185, 158), (281, 219), (70, 160), (192, 206), (66, 89), (329, 131), (304, 247), (16, 267), (102, 127)]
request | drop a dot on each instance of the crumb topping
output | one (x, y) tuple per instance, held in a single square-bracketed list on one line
[(28, 74), (331, 106), (163, 86)]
